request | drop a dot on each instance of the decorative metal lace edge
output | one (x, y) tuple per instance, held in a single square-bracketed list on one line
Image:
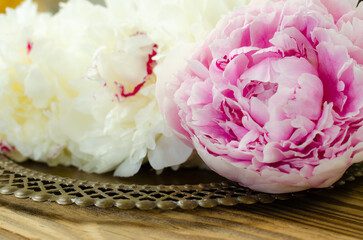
[(41, 187)]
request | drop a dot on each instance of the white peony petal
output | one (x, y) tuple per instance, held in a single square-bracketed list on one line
[(166, 154), (38, 88)]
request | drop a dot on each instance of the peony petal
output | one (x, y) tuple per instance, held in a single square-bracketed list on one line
[(309, 93), (38, 88), (259, 111), (128, 168), (339, 8), (279, 130), (165, 155)]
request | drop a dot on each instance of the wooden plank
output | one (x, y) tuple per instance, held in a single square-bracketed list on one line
[(330, 214)]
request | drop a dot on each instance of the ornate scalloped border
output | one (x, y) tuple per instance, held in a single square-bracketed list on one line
[(41, 187)]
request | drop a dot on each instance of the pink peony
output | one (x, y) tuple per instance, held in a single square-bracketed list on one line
[(273, 98)]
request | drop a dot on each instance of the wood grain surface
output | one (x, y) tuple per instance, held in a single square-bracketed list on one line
[(329, 214)]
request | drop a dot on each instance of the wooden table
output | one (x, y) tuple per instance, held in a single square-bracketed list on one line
[(330, 214)]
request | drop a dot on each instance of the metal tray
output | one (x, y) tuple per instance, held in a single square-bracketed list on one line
[(186, 188)]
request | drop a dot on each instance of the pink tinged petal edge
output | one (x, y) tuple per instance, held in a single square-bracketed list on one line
[(271, 180), (251, 136), (259, 111), (332, 59), (358, 154), (200, 94), (279, 130), (344, 38), (268, 181), (166, 86), (309, 93), (330, 170), (302, 46), (263, 71), (269, 22), (271, 154), (342, 78), (303, 127), (235, 68), (338, 8)]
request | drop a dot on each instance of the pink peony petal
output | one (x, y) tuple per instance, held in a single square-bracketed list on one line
[(259, 111), (309, 93), (279, 130), (338, 8)]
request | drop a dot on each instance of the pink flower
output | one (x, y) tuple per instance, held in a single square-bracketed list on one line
[(273, 98)]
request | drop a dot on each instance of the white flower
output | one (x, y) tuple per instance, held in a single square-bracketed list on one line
[(113, 122), (172, 22), (27, 87), (79, 87)]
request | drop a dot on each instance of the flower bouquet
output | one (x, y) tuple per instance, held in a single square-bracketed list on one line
[(266, 92)]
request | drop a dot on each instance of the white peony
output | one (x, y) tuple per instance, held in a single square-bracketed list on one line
[(28, 84), (79, 87)]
